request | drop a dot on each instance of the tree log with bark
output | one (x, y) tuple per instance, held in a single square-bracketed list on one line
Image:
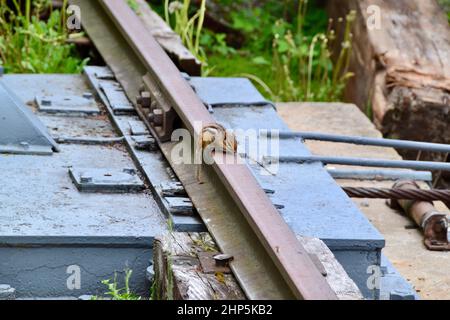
[(401, 62)]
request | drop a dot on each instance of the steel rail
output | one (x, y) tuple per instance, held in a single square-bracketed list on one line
[(367, 141), (300, 274)]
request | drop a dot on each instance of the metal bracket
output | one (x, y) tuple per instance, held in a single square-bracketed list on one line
[(21, 132), (106, 180), (435, 229), (157, 111), (180, 206), (116, 97), (209, 263), (68, 104)]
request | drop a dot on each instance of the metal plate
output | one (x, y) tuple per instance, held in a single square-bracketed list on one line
[(208, 263), (180, 206), (21, 132), (106, 180), (68, 104), (116, 97)]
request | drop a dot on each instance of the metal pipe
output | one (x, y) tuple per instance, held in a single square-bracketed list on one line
[(378, 142), (291, 259), (433, 223), (362, 162), (90, 141), (380, 175)]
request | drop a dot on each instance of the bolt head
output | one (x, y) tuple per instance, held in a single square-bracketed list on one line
[(85, 179), (223, 260)]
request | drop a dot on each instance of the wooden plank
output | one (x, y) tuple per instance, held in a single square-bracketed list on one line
[(168, 39), (425, 270), (401, 66), (179, 274)]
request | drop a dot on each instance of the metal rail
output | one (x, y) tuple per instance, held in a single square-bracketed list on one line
[(301, 276), (378, 174), (362, 162), (366, 141)]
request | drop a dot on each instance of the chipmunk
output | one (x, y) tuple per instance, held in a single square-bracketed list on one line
[(221, 141)]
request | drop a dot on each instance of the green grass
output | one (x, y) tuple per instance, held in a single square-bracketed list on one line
[(29, 44)]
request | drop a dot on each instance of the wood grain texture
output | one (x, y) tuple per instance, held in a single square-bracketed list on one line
[(168, 39), (179, 275)]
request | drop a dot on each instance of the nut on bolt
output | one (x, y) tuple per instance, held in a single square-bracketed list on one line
[(85, 179), (223, 260), (156, 117), (144, 100)]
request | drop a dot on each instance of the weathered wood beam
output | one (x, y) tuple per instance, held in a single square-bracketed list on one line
[(401, 61), (168, 39), (180, 273)]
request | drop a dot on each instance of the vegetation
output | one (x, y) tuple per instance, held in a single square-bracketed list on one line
[(290, 59), (446, 5), (29, 44), (115, 293)]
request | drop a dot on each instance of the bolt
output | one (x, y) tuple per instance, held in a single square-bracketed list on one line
[(130, 171), (46, 102), (401, 295), (25, 145), (7, 292), (85, 179), (158, 116), (223, 260), (145, 99), (88, 95)]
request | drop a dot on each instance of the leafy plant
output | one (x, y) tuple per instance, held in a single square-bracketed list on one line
[(303, 66), (116, 293), (189, 27), (31, 45), (215, 43)]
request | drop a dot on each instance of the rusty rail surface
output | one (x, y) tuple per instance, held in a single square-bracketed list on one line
[(300, 275)]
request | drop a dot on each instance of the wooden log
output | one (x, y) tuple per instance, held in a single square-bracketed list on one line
[(168, 39), (401, 61), (180, 272)]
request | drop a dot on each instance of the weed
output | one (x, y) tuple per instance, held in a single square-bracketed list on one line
[(303, 66), (31, 45), (116, 293), (133, 5), (189, 27)]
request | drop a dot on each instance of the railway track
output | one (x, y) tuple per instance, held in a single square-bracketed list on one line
[(255, 216), (254, 230)]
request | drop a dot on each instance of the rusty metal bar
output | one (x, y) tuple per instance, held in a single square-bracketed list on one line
[(297, 269)]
